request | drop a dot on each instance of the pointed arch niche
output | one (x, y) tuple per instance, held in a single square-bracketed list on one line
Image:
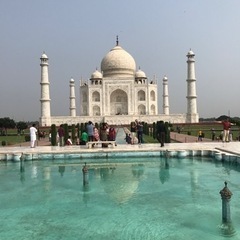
[(118, 103), (141, 95), (84, 97), (152, 96), (96, 111), (142, 109), (153, 110), (96, 96)]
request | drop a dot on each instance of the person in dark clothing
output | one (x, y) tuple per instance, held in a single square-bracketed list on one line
[(139, 131), (161, 132), (128, 138), (112, 134)]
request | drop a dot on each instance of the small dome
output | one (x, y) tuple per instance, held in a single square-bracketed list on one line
[(71, 80), (190, 53), (44, 56), (96, 75), (118, 62), (140, 74), (165, 78)]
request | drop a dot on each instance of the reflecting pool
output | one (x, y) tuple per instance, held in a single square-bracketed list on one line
[(145, 199)]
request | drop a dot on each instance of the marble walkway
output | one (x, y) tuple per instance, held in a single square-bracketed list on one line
[(186, 143)]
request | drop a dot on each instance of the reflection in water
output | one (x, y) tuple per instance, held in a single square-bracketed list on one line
[(86, 194), (22, 171), (164, 171), (138, 170), (47, 178), (227, 230), (120, 185), (85, 175), (61, 170), (129, 200), (194, 183), (22, 168), (34, 171)]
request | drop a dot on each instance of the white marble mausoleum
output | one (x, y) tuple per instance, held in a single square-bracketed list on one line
[(119, 93)]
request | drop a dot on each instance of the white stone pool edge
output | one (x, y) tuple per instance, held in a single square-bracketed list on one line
[(220, 151)]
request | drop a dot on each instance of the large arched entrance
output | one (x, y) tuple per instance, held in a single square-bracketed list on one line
[(118, 103)]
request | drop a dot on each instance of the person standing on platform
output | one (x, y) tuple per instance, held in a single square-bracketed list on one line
[(161, 133), (200, 135), (84, 138), (226, 130), (33, 135), (133, 131), (96, 134), (90, 131), (112, 134), (139, 132)]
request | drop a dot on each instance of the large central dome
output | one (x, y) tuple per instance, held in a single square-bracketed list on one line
[(118, 63)]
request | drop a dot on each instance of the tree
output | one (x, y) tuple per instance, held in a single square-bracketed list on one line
[(53, 135), (73, 133), (21, 126), (66, 132), (6, 123)]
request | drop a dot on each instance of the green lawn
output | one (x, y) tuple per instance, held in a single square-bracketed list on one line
[(206, 129), (10, 140)]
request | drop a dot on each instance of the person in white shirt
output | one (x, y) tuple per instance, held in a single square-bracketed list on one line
[(69, 141), (33, 135)]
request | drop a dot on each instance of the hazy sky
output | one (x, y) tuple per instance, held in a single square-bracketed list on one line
[(77, 34)]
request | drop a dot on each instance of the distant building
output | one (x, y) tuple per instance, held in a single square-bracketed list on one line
[(119, 94)]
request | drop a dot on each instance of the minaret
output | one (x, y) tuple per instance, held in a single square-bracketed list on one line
[(72, 98), (45, 119), (165, 96), (192, 115)]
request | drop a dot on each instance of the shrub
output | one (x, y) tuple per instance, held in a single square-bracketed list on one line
[(4, 143), (27, 138), (66, 132), (53, 135), (73, 133)]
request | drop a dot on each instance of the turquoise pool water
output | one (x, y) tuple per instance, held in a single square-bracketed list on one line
[(146, 199)]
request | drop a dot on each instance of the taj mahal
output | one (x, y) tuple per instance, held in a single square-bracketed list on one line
[(119, 93)]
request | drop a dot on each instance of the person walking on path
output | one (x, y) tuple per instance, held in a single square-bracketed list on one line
[(161, 133), (61, 135), (200, 135), (33, 135)]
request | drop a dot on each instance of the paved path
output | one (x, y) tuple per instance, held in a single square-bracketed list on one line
[(120, 139), (189, 142), (184, 138)]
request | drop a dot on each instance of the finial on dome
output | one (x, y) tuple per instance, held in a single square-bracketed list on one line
[(117, 40)]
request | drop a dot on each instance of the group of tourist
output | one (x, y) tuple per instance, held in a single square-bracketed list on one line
[(106, 133), (92, 134), (136, 135), (225, 135)]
